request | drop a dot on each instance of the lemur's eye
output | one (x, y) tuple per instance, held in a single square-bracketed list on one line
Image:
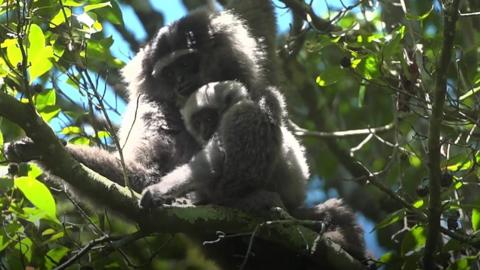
[(167, 73)]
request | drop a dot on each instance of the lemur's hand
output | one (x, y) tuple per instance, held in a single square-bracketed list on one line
[(22, 150), (152, 197)]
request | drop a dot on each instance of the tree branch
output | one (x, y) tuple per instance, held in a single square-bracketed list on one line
[(338, 134), (435, 207), (196, 221), (306, 12)]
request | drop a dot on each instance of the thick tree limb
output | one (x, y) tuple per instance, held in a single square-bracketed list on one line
[(199, 220), (435, 207)]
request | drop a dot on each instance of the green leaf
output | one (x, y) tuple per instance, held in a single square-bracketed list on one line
[(14, 54), (475, 219), (38, 194), (71, 3), (80, 141), (419, 17), (414, 240), (458, 185), (38, 54), (1, 146), (392, 46), (369, 67), (113, 14), (330, 76), (45, 104), (103, 134), (88, 8), (56, 255), (45, 99), (33, 170), (4, 69), (50, 112), (419, 236), (25, 247), (6, 184), (462, 263), (414, 161), (463, 162), (48, 231), (59, 18), (71, 130), (4, 241), (391, 219), (361, 94), (419, 203), (56, 236)]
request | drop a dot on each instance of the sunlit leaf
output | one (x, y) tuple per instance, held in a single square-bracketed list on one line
[(38, 194), (419, 235), (49, 112), (386, 257), (24, 246), (38, 54), (87, 8), (475, 219), (415, 161), (419, 203), (4, 241), (48, 231), (463, 263), (45, 99), (414, 240), (330, 76), (33, 170), (4, 69), (60, 17), (1, 145), (71, 3), (361, 94), (71, 130), (458, 185), (103, 134), (393, 45), (55, 255), (419, 17), (80, 141), (14, 54), (56, 236), (369, 67), (97, 26), (391, 219), (113, 14)]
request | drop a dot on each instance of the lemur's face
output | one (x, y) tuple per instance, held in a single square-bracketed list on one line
[(204, 108), (188, 54)]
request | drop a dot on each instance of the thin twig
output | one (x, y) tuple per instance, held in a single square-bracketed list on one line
[(84, 250), (338, 134), (434, 144)]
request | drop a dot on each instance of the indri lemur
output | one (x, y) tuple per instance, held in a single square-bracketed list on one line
[(247, 154)]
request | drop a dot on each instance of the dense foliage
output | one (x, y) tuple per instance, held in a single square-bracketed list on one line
[(384, 94)]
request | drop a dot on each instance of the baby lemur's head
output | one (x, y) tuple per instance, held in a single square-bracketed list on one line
[(204, 108)]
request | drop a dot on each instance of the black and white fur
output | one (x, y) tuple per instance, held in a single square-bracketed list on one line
[(205, 113), (250, 158), (208, 114)]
